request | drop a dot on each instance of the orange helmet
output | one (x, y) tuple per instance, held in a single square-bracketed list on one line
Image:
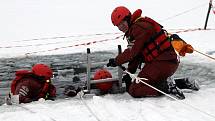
[(42, 70), (118, 14), (103, 74)]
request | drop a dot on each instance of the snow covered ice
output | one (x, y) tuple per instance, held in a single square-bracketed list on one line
[(21, 20), (120, 107)]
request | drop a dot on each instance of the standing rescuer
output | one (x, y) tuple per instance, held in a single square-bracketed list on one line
[(33, 85), (148, 43)]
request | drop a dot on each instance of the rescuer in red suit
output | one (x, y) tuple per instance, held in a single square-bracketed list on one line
[(148, 43), (33, 85)]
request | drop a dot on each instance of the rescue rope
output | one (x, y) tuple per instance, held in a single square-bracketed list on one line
[(186, 11), (186, 104), (31, 111), (138, 80), (205, 54), (87, 106)]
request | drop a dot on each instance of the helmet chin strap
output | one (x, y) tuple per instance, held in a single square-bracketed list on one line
[(123, 26)]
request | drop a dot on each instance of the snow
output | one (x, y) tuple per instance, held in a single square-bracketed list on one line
[(120, 107), (29, 19), (26, 20)]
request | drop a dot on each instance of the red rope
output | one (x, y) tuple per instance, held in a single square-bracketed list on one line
[(63, 37), (81, 44), (190, 30), (93, 42)]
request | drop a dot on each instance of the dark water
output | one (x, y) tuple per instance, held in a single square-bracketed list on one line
[(66, 67)]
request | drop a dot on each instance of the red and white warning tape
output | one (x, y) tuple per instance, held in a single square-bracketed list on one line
[(188, 30), (53, 43), (85, 43), (76, 45), (63, 37)]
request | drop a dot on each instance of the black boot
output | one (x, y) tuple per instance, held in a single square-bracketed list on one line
[(174, 90), (186, 83)]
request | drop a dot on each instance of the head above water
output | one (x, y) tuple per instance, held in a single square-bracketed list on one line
[(42, 70)]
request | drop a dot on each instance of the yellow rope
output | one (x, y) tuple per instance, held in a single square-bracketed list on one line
[(205, 54)]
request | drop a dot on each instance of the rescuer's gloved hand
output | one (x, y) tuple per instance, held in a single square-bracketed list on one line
[(127, 79), (111, 63), (71, 91)]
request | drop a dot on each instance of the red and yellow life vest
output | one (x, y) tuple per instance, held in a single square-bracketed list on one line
[(157, 44)]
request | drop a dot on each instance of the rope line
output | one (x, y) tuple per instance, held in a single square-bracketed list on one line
[(138, 79), (186, 104), (82, 44), (186, 11), (31, 45), (33, 112), (190, 30), (87, 106), (43, 44), (93, 42), (53, 43), (63, 37), (205, 54)]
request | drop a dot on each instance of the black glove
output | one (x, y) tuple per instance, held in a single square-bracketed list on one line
[(122, 67), (71, 90), (127, 79), (111, 63)]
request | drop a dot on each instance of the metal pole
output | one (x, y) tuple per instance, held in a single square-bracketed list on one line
[(104, 80), (209, 9), (88, 69), (120, 72)]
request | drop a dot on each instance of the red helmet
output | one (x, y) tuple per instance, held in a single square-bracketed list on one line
[(103, 74), (118, 14), (42, 70)]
